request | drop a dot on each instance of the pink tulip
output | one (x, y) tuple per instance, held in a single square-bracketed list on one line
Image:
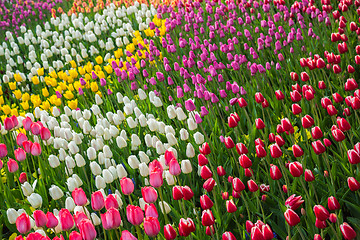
[(75, 236), (78, 216), (66, 219), (111, 219), (8, 124), (20, 139), (52, 221), (23, 224), (27, 123), (12, 165), (127, 186), (20, 154), (79, 197), (36, 149), (134, 215), (40, 218), (149, 194), (151, 226), (27, 146), (35, 128), (97, 201), (3, 150), (111, 201), (126, 235), (87, 230), (45, 133), (150, 211)]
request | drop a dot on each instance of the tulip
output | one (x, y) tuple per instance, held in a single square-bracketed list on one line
[(8, 124), (353, 184), (320, 224), (230, 206), (111, 219), (186, 227), (321, 213), (209, 184), (75, 236), (253, 187), (333, 218), (174, 167), (52, 221), (297, 151), (307, 121), (291, 217), (87, 230), (202, 160), (187, 192), (256, 233), (205, 172), (275, 173), (244, 161), (23, 224), (127, 186), (296, 169), (275, 151), (241, 148), (318, 147), (45, 133), (177, 193), (220, 171), (134, 215), (338, 135), (151, 226), (169, 232), (151, 211), (149, 194), (79, 197), (238, 185), (228, 236), (126, 235), (35, 149), (206, 202), (347, 231), (12, 165), (207, 218), (40, 218), (260, 152), (97, 201), (3, 150), (353, 156), (333, 203), (66, 219), (294, 202), (205, 148), (309, 176)]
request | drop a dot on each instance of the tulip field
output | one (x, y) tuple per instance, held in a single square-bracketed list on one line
[(184, 119)]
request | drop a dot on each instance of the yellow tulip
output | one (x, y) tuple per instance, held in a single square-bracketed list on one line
[(118, 53), (63, 85), (40, 71), (108, 69), (148, 32), (17, 94), (68, 95), (12, 85), (35, 80), (101, 74), (99, 93), (99, 60), (97, 68), (73, 64), (73, 104), (94, 87), (26, 97), (2, 100), (45, 92), (53, 82), (1, 91), (87, 77), (81, 70), (53, 74), (6, 109), (70, 87), (45, 105), (25, 105), (77, 85), (17, 77), (73, 73), (130, 47)]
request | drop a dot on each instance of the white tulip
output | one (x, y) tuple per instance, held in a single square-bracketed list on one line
[(142, 94), (121, 143), (148, 140), (190, 151), (161, 127), (95, 219), (108, 177), (199, 138), (186, 166), (91, 153), (153, 124), (100, 182), (121, 172), (79, 182), (143, 157), (70, 163), (12, 215), (135, 140), (27, 189), (142, 120), (144, 169), (107, 151), (164, 206), (184, 134), (71, 184), (54, 161), (131, 122), (98, 100), (80, 161), (191, 124), (35, 200), (133, 162), (169, 178), (95, 109), (171, 139), (160, 149), (70, 204), (180, 114), (55, 192), (95, 168)]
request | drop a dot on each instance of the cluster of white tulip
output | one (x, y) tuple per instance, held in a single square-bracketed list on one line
[(112, 143), (54, 44)]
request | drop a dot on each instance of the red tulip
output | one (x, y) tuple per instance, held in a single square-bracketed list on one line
[(228, 236), (333, 203), (20, 139), (259, 123), (45, 133), (294, 202), (296, 109), (279, 95), (295, 96), (23, 224), (267, 232), (186, 227), (202, 160), (75, 236), (241, 148), (79, 197), (320, 224), (238, 185), (244, 161), (256, 234), (296, 169), (35, 128), (149, 194), (318, 147), (316, 133), (275, 173), (209, 184), (304, 77), (207, 218), (230, 206), (259, 98), (229, 143), (169, 232), (151, 226), (177, 193), (27, 146), (260, 153), (8, 124), (188, 193), (248, 172), (206, 202), (134, 215), (22, 177), (333, 218), (220, 171), (294, 76), (205, 148), (291, 217), (307, 121), (353, 184), (321, 213), (297, 151), (253, 187), (275, 151), (205, 172), (347, 231), (309, 176), (338, 135)]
